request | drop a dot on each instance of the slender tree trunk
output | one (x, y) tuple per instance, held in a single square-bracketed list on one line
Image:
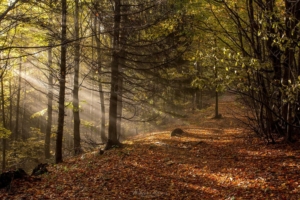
[(113, 111), (120, 106), (49, 110), (3, 154), (62, 83), (101, 93), (217, 115), (50, 100), (289, 64), (4, 125), (16, 132), (199, 74), (77, 147), (10, 106), (23, 133), (102, 106)]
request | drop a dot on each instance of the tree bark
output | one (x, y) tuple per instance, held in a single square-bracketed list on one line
[(123, 36), (119, 107), (77, 146), (50, 100), (289, 65), (49, 106), (16, 132), (10, 125), (62, 82), (101, 93), (4, 125), (113, 102)]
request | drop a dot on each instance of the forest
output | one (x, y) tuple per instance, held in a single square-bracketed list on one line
[(82, 75)]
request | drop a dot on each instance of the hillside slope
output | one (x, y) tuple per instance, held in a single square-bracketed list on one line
[(215, 159)]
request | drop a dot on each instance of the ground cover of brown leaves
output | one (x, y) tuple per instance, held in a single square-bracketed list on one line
[(215, 159)]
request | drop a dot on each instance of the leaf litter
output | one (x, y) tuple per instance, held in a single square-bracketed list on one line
[(214, 159)]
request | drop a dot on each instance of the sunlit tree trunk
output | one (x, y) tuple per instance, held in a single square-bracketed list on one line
[(16, 132), (62, 83), (77, 147), (49, 106), (23, 133), (102, 106), (49, 99)]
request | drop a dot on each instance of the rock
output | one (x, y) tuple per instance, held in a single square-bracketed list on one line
[(177, 131)]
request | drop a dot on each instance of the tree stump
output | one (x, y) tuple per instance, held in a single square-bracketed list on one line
[(40, 169)]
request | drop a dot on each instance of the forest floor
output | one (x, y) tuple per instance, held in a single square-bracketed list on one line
[(214, 159)]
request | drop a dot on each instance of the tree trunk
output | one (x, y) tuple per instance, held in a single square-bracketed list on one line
[(4, 125), (120, 106), (102, 106), (77, 146), (112, 127), (289, 64), (101, 93), (217, 115), (3, 154), (199, 91), (10, 125), (50, 99), (123, 36), (16, 132), (23, 133), (49, 110), (62, 83)]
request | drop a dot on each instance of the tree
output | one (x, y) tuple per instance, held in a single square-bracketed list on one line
[(142, 47), (4, 128), (113, 111), (49, 105), (17, 131), (96, 31), (62, 84), (264, 52), (77, 146)]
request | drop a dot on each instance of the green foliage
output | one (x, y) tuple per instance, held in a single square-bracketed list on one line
[(4, 133), (39, 113), (87, 124), (69, 105), (291, 91), (27, 151)]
